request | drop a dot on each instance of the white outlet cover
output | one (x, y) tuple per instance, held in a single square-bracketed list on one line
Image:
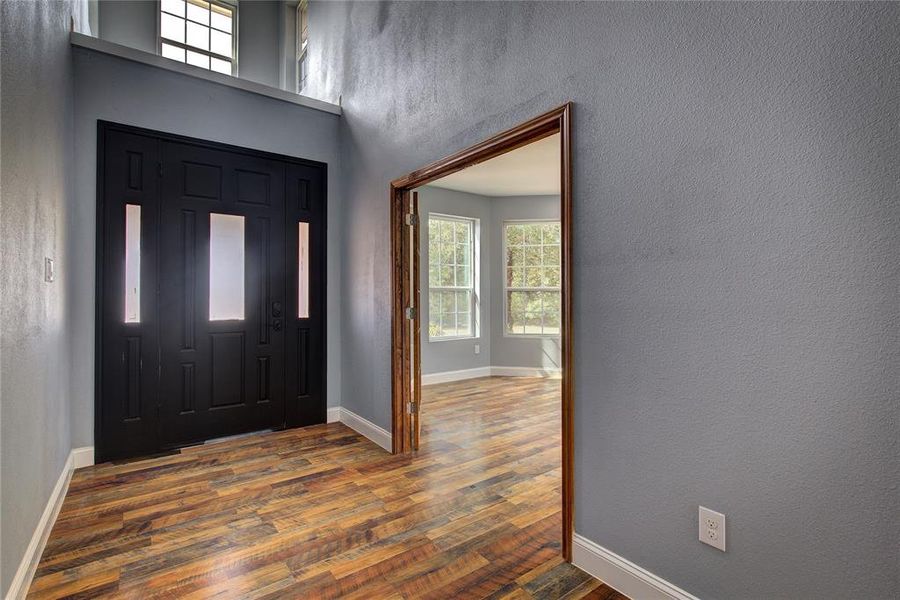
[(712, 528), (477, 349)]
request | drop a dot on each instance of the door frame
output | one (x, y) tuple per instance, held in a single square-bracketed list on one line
[(103, 127), (405, 371)]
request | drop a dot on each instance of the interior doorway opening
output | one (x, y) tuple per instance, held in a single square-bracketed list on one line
[(539, 308)]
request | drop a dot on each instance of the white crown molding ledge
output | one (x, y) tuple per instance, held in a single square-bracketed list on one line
[(154, 60), (366, 428), (622, 574)]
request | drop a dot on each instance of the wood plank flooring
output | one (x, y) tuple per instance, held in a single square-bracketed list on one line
[(322, 512)]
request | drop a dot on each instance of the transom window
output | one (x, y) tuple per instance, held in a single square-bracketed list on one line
[(533, 276), (199, 33), (451, 288), (302, 43)]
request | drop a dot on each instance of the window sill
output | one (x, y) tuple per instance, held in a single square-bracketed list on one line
[(452, 339), (532, 336), (105, 47)]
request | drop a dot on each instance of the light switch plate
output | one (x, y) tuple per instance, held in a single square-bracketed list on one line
[(49, 272), (712, 528)]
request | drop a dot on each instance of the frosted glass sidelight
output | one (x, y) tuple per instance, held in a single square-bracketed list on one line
[(226, 267), (303, 271), (132, 263)]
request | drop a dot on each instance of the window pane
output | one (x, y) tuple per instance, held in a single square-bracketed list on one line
[(533, 277), (171, 28), (532, 233), (176, 7), (551, 254), (450, 264), (462, 276), (198, 36), (515, 256), (198, 10), (303, 271), (532, 256), (551, 277), (173, 52), (132, 263), (220, 66), (552, 233), (226, 267), (434, 315), (197, 59), (220, 18), (220, 43)]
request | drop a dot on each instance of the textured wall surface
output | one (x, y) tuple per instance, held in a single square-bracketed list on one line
[(35, 193), (133, 23), (122, 91), (736, 259)]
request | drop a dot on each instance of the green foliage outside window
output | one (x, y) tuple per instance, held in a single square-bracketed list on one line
[(533, 277)]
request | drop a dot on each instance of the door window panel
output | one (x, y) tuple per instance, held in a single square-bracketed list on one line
[(226, 267), (132, 263), (303, 271)]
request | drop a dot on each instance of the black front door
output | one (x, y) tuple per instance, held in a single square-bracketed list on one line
[(211, 287)]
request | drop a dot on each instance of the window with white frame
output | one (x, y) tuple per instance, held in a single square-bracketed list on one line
[(199, 33), (532, 251), (302, 42), (451, 279)]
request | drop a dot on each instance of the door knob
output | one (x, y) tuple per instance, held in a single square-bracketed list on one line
[(276, 324), (276, 309)]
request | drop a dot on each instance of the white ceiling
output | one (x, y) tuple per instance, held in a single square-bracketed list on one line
[(531, 170)]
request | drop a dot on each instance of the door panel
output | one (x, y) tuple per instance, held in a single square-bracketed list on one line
[(236, 354), (127, 361), (305, 309), (223, 344)]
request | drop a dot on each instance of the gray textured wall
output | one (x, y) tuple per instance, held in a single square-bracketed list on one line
[(133, 23), (35, 195), (736, 259), (454, 355), (516, 351), (122, 91)]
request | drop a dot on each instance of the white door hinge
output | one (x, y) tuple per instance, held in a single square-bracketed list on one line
[(412, 408), (410, 312), (412, 219)]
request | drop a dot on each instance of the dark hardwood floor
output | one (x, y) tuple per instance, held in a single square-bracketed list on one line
[(322, 512)]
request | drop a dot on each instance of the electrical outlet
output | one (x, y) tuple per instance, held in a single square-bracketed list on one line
[(477, 348), (712, 528)]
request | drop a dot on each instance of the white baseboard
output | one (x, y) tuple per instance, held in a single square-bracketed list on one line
[(82, 457), (623, 575), (493, 371), (18, 589), (333, 415), (551, 372), (446, 376), (366, 428)]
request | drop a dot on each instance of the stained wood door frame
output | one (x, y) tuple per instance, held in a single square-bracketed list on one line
[(405, 375)]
